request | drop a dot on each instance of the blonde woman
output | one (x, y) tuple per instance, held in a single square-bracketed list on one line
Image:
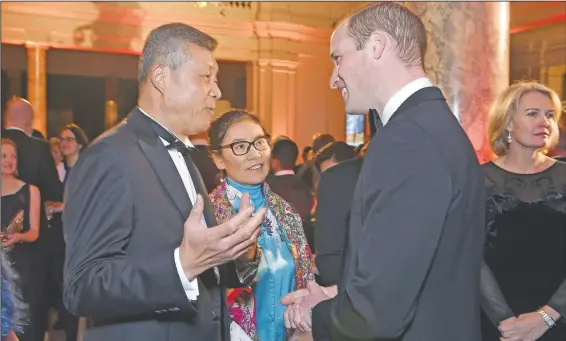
[(524, 277)]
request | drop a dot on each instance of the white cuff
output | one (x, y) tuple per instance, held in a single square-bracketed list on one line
[(190, 287)]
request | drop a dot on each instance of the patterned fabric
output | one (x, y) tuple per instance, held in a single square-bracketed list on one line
[(13, 307), (241, 302)]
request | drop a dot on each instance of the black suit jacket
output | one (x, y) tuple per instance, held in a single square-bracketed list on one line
[(295, 191), (334, 199), (37, 167), (126, 207), (416, 234)]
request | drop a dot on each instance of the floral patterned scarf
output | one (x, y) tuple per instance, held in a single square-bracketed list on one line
[(241, 301)]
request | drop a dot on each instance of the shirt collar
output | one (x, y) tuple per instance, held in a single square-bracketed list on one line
[(401, 96), (186, 141), (16, 128), (284, 172)]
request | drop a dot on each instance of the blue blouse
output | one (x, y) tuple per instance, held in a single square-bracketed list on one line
[(275, 277)]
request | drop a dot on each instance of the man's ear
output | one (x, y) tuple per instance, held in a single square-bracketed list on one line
[(158, 77), (376, 44), (218, 161)]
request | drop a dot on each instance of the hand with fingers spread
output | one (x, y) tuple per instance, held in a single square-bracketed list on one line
[(203, 248)]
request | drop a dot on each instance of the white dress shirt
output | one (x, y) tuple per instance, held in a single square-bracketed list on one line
[(401, 96), (190, 287), (284, 172)]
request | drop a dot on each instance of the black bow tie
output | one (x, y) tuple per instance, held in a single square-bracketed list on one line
[(180, 147)]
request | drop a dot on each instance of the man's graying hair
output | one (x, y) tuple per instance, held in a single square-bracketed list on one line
[(168, 45), (396, 20)]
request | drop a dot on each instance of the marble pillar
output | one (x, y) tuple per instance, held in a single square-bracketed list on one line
[(36, 79), (276, 93), (468, 58)]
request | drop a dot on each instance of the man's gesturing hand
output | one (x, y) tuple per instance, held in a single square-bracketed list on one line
[(203, 248)]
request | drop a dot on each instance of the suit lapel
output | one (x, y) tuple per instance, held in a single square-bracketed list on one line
[(161, 161)]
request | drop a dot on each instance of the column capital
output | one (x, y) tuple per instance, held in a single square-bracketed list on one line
[(35, 45)]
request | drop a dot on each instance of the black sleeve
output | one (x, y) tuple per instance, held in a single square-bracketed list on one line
[(101, 279), (401, 230), (492, 300), (558, 301), (51, 188)]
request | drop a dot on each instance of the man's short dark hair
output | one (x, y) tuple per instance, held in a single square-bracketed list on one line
[(399, 22), (286, 151), (168, 44), (321, 140), (338, 151)]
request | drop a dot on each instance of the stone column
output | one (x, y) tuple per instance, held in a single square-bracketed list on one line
[(37, 77), (276, 94), (468, 58)]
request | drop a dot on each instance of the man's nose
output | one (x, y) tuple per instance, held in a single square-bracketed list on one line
[(215, 92)]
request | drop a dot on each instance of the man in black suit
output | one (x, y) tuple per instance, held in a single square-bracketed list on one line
[(141, 262), (37, 167), (334, 198), (207, 168), (283, 180), (417, 219)]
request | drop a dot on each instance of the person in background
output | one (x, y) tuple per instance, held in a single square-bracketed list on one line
[(21, 203), (57, 157), (35, 167), (309, 172), (283, 180), (37, 134), (304, 158), (241, 149), (73, 142), (332, 154), (210, 174), (523, 282)]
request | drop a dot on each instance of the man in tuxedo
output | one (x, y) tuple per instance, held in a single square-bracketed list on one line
[(141, 262), (37, 167), (417, 218)]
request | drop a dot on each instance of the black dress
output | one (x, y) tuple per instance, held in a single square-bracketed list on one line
[(25, 259), (525, 254)]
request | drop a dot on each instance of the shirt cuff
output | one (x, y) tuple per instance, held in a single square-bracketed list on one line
[(190, 287)]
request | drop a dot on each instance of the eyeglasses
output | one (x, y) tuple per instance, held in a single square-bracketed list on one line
[(67, 139), (243, 147)]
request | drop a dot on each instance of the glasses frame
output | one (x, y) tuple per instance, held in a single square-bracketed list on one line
[(267, 137)]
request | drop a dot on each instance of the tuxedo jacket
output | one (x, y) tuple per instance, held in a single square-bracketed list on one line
[(125, 210), (415, 239)]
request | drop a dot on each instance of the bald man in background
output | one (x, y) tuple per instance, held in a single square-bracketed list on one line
[(37, 167)]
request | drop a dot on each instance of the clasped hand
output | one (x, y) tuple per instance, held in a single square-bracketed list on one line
[(203, 248), (526, 327), (301, 302)]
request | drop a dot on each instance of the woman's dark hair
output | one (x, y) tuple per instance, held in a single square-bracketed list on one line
[(222, 123), (79, 133)]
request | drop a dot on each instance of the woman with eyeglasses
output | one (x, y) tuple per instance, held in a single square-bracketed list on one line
[(241, 150), (73, 141)]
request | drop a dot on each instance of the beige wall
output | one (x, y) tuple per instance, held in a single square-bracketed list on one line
[(285, 43)]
